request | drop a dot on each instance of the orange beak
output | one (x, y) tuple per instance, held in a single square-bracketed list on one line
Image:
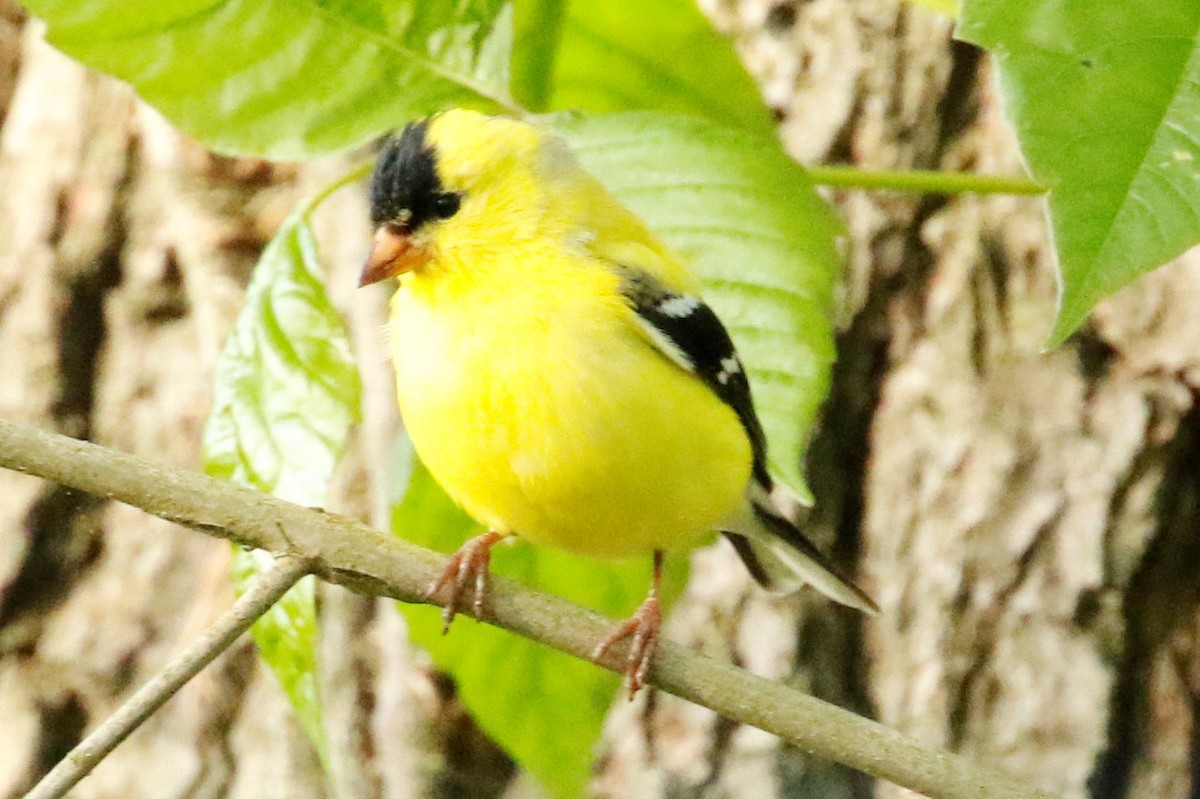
[(392, 253)]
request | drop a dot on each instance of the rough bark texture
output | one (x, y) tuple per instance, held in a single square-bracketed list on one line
[(1026, 521)]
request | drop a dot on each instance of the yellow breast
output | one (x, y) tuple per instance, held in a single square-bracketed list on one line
[(543, 411)]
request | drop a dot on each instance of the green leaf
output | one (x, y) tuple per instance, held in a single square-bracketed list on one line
[(287, 389), (748, 219), (286, 393), (545, 708), (288, 79), (621, 55), (1106, 102)]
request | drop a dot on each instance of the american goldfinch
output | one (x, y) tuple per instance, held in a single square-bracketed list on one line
[(559, 373)]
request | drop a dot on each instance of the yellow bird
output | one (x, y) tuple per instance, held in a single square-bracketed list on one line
[(560, 375)]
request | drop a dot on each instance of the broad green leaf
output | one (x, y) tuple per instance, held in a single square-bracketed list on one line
[(288, 79), (1105, 98), (286, 394), (621, 55), (545, 708), (747, 218), (287, 388)]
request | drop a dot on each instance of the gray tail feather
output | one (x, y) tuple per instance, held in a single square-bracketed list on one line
[(781, 558)]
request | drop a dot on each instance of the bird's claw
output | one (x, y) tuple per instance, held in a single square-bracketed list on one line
[(465, 574), (643, 627)]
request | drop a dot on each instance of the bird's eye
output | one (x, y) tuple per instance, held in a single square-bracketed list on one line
[(446, 205)]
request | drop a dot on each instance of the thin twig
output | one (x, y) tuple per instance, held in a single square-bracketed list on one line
[(348, 552), (258, 599)]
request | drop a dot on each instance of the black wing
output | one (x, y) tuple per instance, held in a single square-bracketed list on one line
[(690, 334), (687, 331)]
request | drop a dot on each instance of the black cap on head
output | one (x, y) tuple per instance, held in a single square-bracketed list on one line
[(405, 187), (404, 173)]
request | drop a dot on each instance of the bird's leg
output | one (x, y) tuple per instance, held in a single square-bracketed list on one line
[(465, 574), (644, 627)]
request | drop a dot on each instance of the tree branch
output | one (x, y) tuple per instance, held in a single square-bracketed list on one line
[(345, 551), (79, 762)]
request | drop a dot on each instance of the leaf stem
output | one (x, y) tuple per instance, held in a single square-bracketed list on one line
[(537, 29), (310, 204), (345, 551), (923, 181), (258, 599)]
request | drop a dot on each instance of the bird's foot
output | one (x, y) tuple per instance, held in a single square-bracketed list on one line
[(466, 575), (643, 627)]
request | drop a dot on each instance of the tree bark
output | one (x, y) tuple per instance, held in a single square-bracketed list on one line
[(1025, 520)]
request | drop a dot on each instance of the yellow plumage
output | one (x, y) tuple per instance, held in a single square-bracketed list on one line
[(557, 371), (528, 387)]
